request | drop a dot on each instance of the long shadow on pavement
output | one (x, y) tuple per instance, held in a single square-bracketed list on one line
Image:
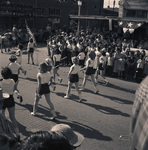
[(117, 99), (120, 88), (30, 79), (113, 98), (86, 131), (107, 110), (43, 112)]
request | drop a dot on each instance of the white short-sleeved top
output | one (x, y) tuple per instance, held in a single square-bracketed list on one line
[(76, 69), (8, 86), (14, 67), (45, 77), (91, 62), (58, 57)]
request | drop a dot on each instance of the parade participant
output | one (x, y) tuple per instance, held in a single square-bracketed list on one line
[(139, 127), (74, 138), (102, 67), (73, 78), (43, 81), (4, 125), (30, 50), (15, 69), (49, 63), (8, 86), (90, 71), (46, 140), (81, 57), (56, 64), (139, 68), (19, 54)]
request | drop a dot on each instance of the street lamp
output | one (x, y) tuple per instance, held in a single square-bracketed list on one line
[(79, 12)]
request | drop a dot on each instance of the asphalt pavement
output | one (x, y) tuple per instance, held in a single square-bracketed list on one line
[(101, 117)]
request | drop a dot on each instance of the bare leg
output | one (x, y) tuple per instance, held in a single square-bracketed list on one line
[(32, 58), (77, 89), (47, 97), (68, 89), (28, 57), (35, 105), (95, 85), (84, 81), (17, 91), (11, 111)]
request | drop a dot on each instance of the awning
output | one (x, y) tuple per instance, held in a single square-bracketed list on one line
[(91, 17)]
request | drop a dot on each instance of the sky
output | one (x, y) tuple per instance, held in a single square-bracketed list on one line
[(110, 3)]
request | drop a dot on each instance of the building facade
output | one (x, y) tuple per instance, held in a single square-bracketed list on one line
[(133, 14), (39, 13)]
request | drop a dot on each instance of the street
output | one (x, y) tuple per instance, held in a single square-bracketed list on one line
[(101, 117)]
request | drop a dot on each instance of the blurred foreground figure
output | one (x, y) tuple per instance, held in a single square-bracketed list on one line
[(139, 127), (44, 140)]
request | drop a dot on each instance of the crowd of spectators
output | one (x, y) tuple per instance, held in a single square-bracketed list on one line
[(123, 57)]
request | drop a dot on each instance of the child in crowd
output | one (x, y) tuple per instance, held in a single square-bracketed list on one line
[(139, 68), (15, 69), (73, 78), (8, 86), (109, 68), (102, 65), (19, 54), (56, 63), (43, 80), (121, 66)]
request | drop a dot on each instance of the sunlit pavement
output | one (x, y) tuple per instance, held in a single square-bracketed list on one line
[(101, 118)]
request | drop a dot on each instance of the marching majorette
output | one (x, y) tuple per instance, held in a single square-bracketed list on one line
[(43, 81), (8, 86), (90, 71), (19, 54), (56, 64), (15, 69), (73, 78)]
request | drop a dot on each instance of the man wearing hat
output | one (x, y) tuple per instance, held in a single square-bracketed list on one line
[(74, 138)]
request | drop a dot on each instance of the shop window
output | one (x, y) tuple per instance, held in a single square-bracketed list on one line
[(141, 14), (54, 12), (130, 13)]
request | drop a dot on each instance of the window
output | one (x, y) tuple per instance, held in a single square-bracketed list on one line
[(141, 14), (136, 13), (130, 13), (54, 12)]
